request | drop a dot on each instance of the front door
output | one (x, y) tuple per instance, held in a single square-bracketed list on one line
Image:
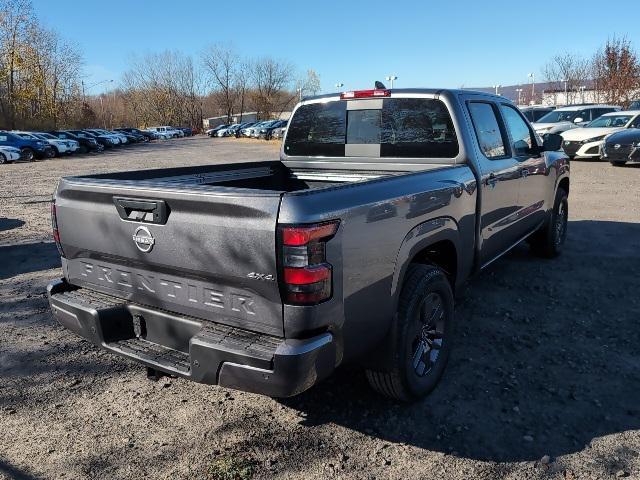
[(500, 178)]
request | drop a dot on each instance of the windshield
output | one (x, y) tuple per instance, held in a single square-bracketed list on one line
[(559, 116), (28, 135), (46, 135), (611, 121), (402, 127)]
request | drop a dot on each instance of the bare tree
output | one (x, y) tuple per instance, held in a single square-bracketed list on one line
[(223, 65), (310, 84), (271, 79), (567, 72), (617, 71)]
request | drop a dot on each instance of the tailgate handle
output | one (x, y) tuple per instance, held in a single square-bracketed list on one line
[(142, 210)]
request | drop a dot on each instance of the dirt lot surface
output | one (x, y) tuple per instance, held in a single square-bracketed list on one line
[(544, 381)]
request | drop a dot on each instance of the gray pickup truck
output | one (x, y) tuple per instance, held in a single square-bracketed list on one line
[(266, 276)]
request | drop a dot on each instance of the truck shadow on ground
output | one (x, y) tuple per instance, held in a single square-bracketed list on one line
[(27, 258), (547, 358)]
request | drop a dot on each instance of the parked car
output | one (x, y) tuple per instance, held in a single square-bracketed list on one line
[(107, 141), (188, 132), (586, 142), (147, 135), (163, 135), (86, 143), (222, 132), (267, 130), (635, 105), (250, 131), (535, 112), (30, 148), (239, 131), (59, 144), (349, 248), (9, 154), (278, 133), (168, 131), (566, 118), (115, 139), (212, 131), (622, 147), (58, 147)]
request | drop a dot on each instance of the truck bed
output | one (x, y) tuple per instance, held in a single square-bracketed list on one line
[(267, 176)]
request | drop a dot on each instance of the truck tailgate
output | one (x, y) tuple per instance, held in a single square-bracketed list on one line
[(188, 251)]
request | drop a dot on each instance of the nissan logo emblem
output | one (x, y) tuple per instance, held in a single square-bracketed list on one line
[(617, 146), (143, 239)]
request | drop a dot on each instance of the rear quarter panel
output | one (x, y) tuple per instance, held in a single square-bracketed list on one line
[(380, 228)]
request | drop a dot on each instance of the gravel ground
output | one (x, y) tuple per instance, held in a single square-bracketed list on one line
[(544, 381)]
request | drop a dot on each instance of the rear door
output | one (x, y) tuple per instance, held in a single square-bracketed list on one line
[(185, 250), (500, 178)]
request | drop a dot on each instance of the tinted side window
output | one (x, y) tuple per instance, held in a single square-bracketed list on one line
[(635, 123), (417, 127), (519, 130), (537, 115), (530, 114), (318, 129), (487, 129)]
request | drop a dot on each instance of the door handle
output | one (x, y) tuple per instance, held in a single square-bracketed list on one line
[(142, 210), (492, 179)]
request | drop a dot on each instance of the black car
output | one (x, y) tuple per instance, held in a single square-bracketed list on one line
[(622, 147), (146, 136), (212, 132), (535, 113), (242, 126), (87, 144), (102, 140)]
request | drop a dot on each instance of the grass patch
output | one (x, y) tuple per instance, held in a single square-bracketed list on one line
[(230, 469)]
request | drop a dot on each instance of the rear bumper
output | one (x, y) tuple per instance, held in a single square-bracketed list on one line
[(196, 349)]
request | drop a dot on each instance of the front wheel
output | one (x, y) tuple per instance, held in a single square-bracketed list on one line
[(28, 154), (3, 159), (549, 240), (422, 340)]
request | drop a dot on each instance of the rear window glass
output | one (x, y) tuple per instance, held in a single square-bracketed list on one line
[(404, 127)]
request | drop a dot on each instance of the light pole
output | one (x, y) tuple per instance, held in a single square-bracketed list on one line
[(582, 89), (299, 89), (339, 85), (496, 87), (519, 91), (391, 78), (566, 94), (532, 76)]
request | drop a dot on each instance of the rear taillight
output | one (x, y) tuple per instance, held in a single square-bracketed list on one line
[(306, 276), (365, 94), (54, 227)]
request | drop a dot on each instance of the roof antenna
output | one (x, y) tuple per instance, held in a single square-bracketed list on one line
[(380, 85)]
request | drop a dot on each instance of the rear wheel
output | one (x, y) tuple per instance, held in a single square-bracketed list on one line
[(618, 164), (50, 153), (422, 340), (549, 240), (28, 154)]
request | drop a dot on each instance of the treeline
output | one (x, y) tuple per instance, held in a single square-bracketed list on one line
[(39, 71), (613, 72), (42, 87)]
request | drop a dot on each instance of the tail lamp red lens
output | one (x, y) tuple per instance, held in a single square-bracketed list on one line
[(365, 94), (306, 276), (54, 227)]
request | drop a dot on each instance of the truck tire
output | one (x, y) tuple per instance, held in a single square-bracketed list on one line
[(548, 241), (422, 340)]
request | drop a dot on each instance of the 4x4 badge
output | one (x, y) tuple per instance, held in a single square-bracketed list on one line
[(143, 239)]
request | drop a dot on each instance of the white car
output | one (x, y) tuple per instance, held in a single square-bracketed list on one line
[(586, 142), (163, 135), (9, 154), (72, 145), (170, 132), (567, 118), (59, 146), (114, 139)]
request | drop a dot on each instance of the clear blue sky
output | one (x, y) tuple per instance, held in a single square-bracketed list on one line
[(425, 43)]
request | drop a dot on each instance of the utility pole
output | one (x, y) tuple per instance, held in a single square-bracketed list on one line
[(519, 91), (566, 94), (532, 76)]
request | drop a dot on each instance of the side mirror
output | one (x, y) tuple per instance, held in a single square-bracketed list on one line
[(578, 120), (552, 142)]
